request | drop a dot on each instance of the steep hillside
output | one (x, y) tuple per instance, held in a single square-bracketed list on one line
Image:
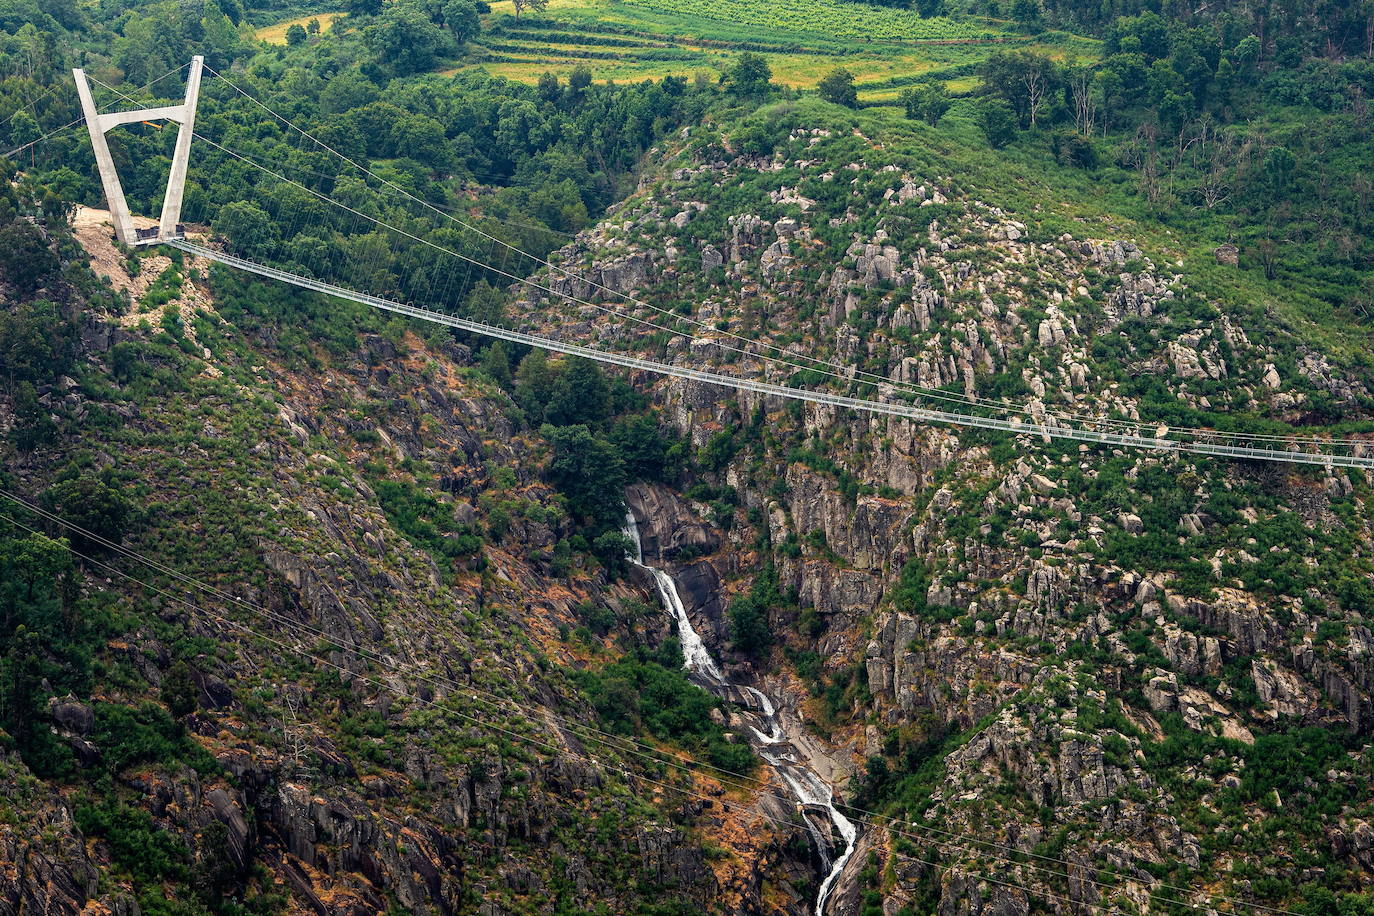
[(1081, 675), (379, 707)]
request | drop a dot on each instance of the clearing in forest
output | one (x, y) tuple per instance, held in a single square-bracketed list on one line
[(275, 34)]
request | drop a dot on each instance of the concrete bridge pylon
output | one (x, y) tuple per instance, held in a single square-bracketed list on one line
[(100, 124)]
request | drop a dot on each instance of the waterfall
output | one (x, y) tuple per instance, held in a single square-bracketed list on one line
[(770, 738)]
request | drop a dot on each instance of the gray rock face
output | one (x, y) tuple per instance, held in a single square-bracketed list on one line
[(711, 258), (72, 715), (44, 866), (666, 528)]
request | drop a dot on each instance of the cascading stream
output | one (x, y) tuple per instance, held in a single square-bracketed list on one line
[(768, 730)]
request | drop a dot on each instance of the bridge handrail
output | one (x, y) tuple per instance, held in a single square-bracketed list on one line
[(903, 411)]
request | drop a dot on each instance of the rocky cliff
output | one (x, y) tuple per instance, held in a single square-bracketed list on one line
[(1083, 676), (369, 668)]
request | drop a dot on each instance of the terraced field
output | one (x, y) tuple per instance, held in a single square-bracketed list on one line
[(822, 19), (886, 49)]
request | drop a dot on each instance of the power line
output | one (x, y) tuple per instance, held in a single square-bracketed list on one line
[(784, 395), (1158, 441), (483, 723), (48, 136), (847, 375), (187, 247), (70, 124), (850, 372), (534, 741), (844, 370), (631, 746), (516, 278)]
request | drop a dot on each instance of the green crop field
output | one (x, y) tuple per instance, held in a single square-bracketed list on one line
[(822, 19), (628, 40)]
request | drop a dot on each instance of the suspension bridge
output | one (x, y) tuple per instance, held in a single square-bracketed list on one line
[(893, 398)]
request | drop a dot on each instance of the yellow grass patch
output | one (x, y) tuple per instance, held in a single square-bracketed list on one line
[(276, 34)]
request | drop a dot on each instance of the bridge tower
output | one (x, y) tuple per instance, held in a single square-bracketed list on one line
[(100, 124)]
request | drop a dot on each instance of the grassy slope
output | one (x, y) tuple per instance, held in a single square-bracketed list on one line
[(275, 34)]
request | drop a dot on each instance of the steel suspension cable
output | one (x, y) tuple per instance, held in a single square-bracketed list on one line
[(906, 411), (844, 370), (70, 124), (630, 776), (1159, 441)]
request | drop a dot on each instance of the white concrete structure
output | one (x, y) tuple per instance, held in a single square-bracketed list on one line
[(100, 124)]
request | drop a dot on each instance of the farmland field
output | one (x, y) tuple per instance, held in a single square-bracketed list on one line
[(823, 19), (629, 40)]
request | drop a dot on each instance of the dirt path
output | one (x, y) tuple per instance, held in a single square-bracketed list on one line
[(93, 230)]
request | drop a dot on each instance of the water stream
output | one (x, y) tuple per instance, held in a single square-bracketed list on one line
[(766, 728)]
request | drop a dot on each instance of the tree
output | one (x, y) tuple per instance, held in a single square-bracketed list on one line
[(534, 385), (421, 138), (313, 26), (998, 122), (578, 395), (647, 454), (534, 6), (750, 76), (295, 34), (347, 91), (37, 343), (26, 261), (549, 89), (1146, 34), (91, 503), (179, 690), (579, 81), (1024, 80), (460, 17), (838, 88), (485, 303), (1074, 148), (1037, 84), (1026, 12), (33, 566), (927, 103), (495, 362), (1279, 165), (1266, 251), (1085, 99), (613, 549), (588, 471), (749, 629), (33, 424), (21, 680), (362, 7), (1245, 55), (406, 39), (246, 227)]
